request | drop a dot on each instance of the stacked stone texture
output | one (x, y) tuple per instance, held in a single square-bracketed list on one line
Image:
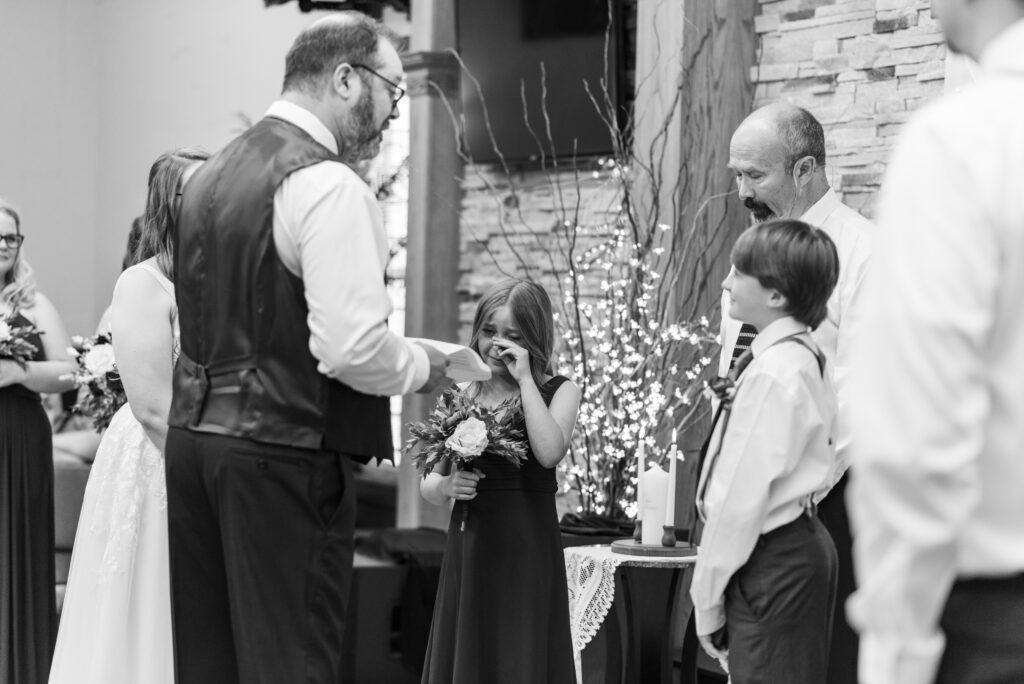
[(860, 66)]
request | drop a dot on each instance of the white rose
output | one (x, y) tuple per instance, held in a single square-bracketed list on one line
[(99, 359), (469, 438), (5, 331)]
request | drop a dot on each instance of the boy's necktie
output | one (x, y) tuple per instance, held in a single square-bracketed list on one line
[(743, 341), (740, 364)]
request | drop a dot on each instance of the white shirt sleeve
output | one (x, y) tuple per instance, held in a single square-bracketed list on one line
[(919, 405), (850, 302), (328, 230)]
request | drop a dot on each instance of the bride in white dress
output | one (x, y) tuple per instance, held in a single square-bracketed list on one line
[(115, 625)]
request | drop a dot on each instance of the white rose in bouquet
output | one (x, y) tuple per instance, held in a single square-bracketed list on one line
[(5, 332), (100, 359), (469, 439)]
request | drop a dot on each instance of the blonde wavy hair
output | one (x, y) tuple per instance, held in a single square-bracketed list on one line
[(19, 286)]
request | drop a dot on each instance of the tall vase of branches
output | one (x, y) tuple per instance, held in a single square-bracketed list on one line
[(632, 257)]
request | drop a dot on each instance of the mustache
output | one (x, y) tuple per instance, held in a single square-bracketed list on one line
[(760, 210)]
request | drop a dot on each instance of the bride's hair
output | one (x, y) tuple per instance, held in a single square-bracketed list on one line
[(18, 288), (162, 204)]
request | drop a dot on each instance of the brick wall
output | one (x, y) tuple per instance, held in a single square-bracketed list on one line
[(861, 66)]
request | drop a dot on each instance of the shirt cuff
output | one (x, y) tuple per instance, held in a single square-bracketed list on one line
[(708, 621), (421, 363), (894, 660)]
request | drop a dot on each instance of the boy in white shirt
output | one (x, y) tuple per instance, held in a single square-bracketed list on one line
[(765, 581)]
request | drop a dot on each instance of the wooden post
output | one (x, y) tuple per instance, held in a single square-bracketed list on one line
[(693, 89), (435, 195)]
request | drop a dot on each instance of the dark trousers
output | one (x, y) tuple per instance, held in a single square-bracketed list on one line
[(778, 607), (842, 659), (984, 626), (261, 560)]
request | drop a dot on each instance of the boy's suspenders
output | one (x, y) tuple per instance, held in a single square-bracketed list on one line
[(814, 349), (810, 507)]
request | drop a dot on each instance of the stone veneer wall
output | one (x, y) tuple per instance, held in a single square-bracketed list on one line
[(861, 66)]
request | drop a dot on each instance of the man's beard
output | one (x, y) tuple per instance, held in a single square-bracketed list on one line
[(362, 138), (759, 210)]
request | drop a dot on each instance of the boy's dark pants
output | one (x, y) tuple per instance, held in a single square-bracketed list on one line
[(778, 607), (261, 560)]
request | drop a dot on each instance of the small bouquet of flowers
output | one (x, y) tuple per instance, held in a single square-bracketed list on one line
[(101, 391), (14, 342), (459, 430)]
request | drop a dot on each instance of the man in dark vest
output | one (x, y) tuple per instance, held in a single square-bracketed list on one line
[(285, 370)]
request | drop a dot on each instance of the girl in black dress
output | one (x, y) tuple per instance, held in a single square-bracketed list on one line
[(502, 610), (28, 613)]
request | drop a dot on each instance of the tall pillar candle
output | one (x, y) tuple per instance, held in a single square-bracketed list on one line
[(653, 507), (640, 468), (670, 499)]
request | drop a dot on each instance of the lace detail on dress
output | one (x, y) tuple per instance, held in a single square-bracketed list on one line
[(128, 471)]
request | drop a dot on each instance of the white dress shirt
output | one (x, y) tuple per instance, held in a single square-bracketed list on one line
[(328, 231), (937, 490), (852, 235), (776, 451)]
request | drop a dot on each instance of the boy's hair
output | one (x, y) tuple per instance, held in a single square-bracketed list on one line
[(796, 259), (530, 311)]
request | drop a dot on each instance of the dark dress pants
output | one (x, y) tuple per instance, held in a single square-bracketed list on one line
[(778, 607), (984, 626), (261, 560), (842, 659)]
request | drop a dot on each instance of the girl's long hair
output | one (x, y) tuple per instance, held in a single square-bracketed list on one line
[(162, 204), (18, 288), (530, 309)]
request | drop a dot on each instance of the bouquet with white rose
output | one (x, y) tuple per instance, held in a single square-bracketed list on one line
[(101, 391), (459, 430), (14, 342)]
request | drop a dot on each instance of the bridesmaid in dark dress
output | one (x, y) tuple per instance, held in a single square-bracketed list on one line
[(502, 609), (28, 614)]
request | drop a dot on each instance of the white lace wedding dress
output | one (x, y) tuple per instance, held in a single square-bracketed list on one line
[(115, 626)]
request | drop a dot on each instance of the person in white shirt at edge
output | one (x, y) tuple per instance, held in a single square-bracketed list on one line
[(937, 497), (764, 585), (778, 157), (285, 369)]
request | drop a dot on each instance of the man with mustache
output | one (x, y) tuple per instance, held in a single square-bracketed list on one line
[(286, 367), (778, 157)]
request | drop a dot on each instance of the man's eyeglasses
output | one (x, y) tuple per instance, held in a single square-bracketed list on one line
[(397, 91), (13, 241)]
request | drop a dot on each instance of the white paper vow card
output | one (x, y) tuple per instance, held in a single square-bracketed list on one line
[(464, 364)]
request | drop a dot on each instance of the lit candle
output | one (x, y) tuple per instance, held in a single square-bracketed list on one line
[(640, 475), (655, 486), (670, 503)]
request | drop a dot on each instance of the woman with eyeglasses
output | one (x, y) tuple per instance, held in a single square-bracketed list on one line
[(116, 622), (28, 611)]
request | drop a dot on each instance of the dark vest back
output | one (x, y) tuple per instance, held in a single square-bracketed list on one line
[(245, 368)]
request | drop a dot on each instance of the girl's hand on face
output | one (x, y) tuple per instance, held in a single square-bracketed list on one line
[(461, 484), (516, 358)]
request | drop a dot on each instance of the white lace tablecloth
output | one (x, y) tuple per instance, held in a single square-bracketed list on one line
[(590, 572)]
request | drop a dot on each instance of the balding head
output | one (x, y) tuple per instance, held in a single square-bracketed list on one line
[(778, 156), (794, 128)]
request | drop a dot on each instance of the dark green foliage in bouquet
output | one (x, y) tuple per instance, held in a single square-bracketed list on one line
[(458, 430)]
